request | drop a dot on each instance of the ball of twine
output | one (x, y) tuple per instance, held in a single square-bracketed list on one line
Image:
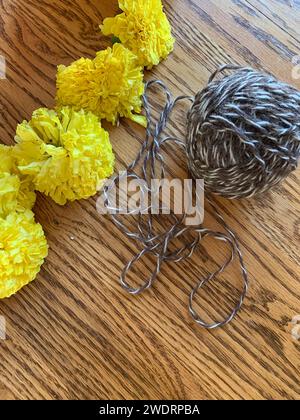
[(243, 133)]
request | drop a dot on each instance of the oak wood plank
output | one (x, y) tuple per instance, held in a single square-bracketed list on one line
[(74, 333)]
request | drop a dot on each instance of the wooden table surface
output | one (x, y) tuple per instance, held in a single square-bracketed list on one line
[(74, 333)]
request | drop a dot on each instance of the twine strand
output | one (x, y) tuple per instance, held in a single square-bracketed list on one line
[(158, 245)]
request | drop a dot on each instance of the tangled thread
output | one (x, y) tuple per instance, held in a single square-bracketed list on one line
[(242, 138)]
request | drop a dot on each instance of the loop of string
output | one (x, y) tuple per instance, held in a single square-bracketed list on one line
[(150, 158)]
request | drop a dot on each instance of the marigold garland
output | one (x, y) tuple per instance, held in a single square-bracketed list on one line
[(67, 154), (110, 85), (143, 28)]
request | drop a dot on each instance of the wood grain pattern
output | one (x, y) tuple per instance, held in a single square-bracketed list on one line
[(74, 333)]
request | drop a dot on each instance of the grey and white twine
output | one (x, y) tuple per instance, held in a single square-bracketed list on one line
[(243, 137), (244, 133)]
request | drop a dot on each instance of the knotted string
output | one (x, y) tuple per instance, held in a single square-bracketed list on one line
[(158, 245)]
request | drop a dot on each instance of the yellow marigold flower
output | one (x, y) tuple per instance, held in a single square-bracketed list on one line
[(67, 154), (16, 192), (144, 29), (110, 85), (23, 247)]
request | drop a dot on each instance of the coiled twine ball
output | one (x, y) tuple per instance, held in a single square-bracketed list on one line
[(243, 133)]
